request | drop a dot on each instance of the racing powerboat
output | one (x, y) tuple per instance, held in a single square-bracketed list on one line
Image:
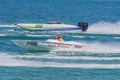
[(48, 45), (81, 27)]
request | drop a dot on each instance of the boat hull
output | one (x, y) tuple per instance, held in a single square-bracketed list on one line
[(47, 45), (49, 27)]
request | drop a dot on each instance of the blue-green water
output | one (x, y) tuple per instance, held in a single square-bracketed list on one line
[(99, 60)]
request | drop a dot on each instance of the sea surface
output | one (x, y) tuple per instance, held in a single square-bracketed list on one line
[(99, 60)]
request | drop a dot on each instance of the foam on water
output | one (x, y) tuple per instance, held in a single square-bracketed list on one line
[(38, 35), (7, 25), (84, 37), (98, 47), (79, 36), (3, 35), (7, 60), (104, 28), (67, 57), (10, 60)]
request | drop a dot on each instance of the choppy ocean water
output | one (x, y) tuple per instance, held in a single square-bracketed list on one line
[(99, 60)]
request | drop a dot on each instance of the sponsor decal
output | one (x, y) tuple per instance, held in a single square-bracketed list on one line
[(63, 46), (32, 43), (78, 46), (39, 26), (51, 45)]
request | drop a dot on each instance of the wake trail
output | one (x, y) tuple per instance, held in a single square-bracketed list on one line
[(66, 57), (104, 28), (7, 25), (10, 60)]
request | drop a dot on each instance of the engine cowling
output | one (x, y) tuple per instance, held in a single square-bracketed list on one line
[(83, 26)]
